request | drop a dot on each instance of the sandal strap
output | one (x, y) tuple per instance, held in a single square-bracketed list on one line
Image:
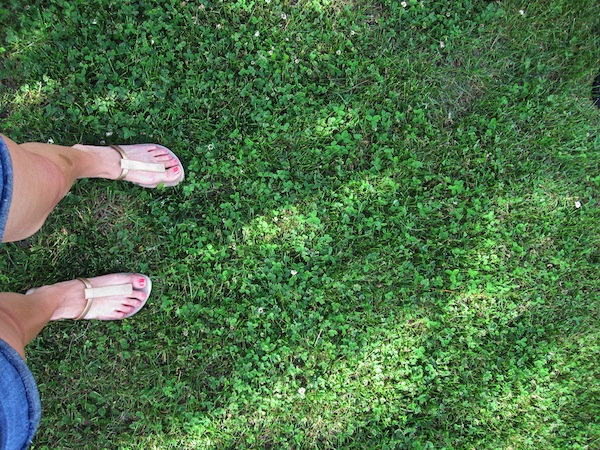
[(127, 164), (91, 293)]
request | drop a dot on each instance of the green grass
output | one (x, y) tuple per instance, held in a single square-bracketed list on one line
[(388, 236)]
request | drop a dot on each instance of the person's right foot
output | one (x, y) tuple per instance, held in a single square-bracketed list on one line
[(109, 158)]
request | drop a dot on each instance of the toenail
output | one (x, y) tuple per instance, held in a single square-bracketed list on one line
[(176, 170), (142, 281)]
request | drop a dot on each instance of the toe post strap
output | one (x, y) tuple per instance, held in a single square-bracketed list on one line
[(127, 164), (91, 293)]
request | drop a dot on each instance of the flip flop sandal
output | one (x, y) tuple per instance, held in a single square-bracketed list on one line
[(107, 291), (128, 164), (91, 293)]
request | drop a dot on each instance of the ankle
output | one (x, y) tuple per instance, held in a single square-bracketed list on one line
[(100, 162)]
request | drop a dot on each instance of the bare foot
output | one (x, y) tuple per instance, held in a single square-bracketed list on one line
[(70, 296), (109, 163)]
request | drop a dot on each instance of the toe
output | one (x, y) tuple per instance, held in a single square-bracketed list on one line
[(120, 315), (127, 309), (161, 151), (131, 303), (165, 159), (138, 281), (173, 173)]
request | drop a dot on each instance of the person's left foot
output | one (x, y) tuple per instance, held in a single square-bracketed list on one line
[(108, 297)]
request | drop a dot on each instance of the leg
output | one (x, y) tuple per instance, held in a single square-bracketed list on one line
[(22, 317), (44, 173), (21, 320)]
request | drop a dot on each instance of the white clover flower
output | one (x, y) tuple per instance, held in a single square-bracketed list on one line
[(296, 60), (50, 141), (257, 34), (260, 310), (210, 146), (294, 272), (338, 52), (109, 133), (271, 52), (404, 4), (267, 1), (283, 16), (522, 12), (302, 391), (577, 204), (219, 26), (202, 7), (442, 44), (352, 32)]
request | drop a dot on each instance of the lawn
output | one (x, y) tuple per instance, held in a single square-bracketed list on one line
[(388, 236)]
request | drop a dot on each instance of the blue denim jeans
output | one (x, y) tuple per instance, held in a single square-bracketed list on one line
[(6, 185), (20, 408)]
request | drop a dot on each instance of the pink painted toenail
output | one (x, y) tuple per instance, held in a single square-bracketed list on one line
[(176, 170), (142, 281)]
